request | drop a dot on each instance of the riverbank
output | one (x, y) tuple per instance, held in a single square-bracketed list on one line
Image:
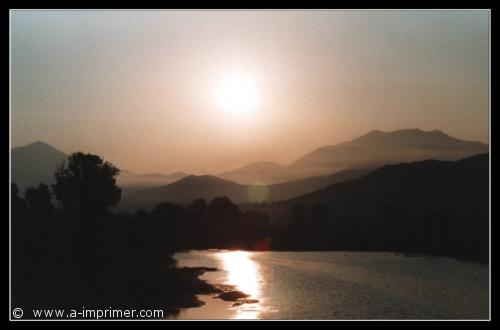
[(194, 287)]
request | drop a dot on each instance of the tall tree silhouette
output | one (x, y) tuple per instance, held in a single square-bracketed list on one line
[(87, 184), (86, 187)]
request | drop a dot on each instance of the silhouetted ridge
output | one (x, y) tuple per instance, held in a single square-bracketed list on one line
[(184, 191), (430, 166), (39, 147), (203, 180), (377, 148), (405, 136)]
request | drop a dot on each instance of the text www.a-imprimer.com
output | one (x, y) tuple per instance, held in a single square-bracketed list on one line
[(97, 313)]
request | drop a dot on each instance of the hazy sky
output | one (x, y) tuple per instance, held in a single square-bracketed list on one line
[(138, 87)]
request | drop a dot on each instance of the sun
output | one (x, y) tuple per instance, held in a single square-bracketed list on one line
[(237, 93)]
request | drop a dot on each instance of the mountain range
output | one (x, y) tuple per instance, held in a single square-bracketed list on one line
[(379, 148), (373, 149), (261, 181), (209, 187)]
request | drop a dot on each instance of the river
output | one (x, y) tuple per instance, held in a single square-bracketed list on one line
[(341, 285)]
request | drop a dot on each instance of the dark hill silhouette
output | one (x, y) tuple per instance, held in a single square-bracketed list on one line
[(286, 190), (35, 163), (426, 206), (184, 191), (430, 183), (378, 148), (208, 187)]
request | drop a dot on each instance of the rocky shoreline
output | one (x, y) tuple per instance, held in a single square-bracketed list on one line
[(197, 286)]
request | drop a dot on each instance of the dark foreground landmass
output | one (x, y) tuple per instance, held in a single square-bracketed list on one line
[(82, 255)]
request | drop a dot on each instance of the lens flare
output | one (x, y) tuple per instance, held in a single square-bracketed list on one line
[(257, 193)]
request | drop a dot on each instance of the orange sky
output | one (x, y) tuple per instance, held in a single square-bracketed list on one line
[(138, 87)]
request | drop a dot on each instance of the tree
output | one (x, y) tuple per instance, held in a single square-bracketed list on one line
[(198, 207), (298, 215), (169, 222), (223, 208), (87, 184), (319, 226), (18, 204), (224, 218), (38, 200)]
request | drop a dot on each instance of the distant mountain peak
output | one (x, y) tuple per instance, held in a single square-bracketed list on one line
[(38, 143), (403, 131), (39, 147), (201, 178), (186, 190), (35, 163), (378, 147), (378, 136)]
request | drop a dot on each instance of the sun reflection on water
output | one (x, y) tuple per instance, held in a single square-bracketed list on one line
[(243, 273)]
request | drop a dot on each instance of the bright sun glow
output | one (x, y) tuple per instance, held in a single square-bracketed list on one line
[(237, 93), (244, 273)]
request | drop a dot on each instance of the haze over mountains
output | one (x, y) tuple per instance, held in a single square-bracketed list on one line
[(259, 172), (378, 148), (37, 162), (131, 182), (368, 152), (209, 187), (371, 150)]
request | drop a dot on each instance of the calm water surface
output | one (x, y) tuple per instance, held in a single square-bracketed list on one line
[(341, 285)]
